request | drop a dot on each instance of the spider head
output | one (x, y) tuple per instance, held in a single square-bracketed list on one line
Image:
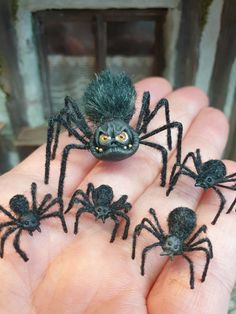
[(114, 140), (102, 212), (30, 221), (211, 173), (19, 204), (172, 246)]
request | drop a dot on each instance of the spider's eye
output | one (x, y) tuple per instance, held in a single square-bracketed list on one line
[(27, 223), (169, 243), (209, 179), (176, 247), (122, 137), (104, 138)]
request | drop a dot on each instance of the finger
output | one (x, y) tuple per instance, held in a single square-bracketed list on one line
[(203, 133), (81, 162), (171, 291)]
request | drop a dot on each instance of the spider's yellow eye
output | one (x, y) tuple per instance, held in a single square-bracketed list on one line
[(104, 138), (122, 137)]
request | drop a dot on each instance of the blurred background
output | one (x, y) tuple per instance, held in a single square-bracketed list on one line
[(49, 49)]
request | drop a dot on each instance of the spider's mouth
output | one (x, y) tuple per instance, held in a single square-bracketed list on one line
[(115, 151)]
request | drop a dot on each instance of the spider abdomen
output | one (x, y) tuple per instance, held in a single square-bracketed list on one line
[(181, 222)]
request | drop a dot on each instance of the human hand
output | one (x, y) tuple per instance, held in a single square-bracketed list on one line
[(84, 273)]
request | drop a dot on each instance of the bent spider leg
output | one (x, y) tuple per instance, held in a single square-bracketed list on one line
[(191, 269), (46, 199), (230, 176), (231, 206), (65, 154), (114, 231), (232, 188), (222, 204), (144, 112), (77, 217), (90, 189), (208, 257), (8, 214), (137, 232), (204, 240), (77, 201), (153, 213), (171, 125), (164, 159), (8, 232), (74, 199), (144, 253), (127, 224), (59, 215), (150, 225), (203, 228), (83, 124), (16, 245), (149, 116), (174, 177), (121, 204)]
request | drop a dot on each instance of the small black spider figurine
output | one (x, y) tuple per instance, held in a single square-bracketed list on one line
[(26, 219), (99, 202), (210, 174), (181, 223), (109, 104)]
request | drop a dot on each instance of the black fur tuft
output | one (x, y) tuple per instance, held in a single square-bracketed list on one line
[(109, 96)]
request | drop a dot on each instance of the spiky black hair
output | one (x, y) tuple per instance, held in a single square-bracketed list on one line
[(109, 96)]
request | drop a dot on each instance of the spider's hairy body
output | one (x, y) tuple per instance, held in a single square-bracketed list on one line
[(101, 124), (99, 202), (181, 224), (210, 173), (27, 218)]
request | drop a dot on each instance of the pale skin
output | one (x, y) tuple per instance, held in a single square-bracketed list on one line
[(84, 273)]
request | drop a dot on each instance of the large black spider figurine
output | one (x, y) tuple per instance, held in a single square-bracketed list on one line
[(99, 202), (210, 174), (28, 218), (109, 103), (181, 223)]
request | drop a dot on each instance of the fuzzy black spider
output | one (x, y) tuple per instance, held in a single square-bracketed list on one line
[(99, 202), (181, 223), (26, 219), (109, 103), (210, 174)]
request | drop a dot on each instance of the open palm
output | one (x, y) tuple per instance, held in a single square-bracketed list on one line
[(85, 273)]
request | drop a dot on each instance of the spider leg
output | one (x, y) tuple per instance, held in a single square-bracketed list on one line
[(164, 159), (203, 241), (8, 232), (167, 127), (65, 154), (174, 177), (7, 213), (114, 231), (208, 257), (144, 112), (77, 217), (16, 244), (203, 228), (138, 230), (46, 198), (191, 269), (222, 204), (231, 206), (153, 213), (127, 224), (33, 193), (75, 200), (144, 254), (59, 215), (122, 204), (6, 224), (147, 117)]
